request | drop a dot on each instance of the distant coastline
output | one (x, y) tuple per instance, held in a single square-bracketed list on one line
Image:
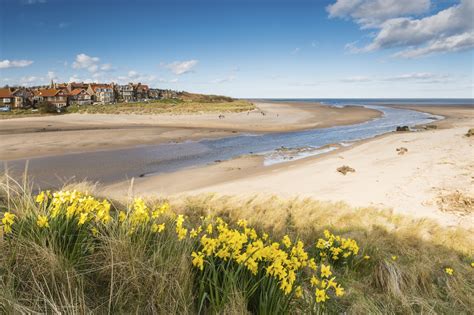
[(379, 101)]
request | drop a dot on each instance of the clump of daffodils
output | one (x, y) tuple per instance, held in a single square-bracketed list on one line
[(73, 206), (286, 262), (334, 247), (285, 265), (141, 217)]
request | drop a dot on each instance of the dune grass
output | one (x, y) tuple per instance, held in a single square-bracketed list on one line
[(166, 106), (402, 265)]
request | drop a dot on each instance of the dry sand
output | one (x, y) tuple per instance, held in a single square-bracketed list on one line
[(433, 179), (54, 135)]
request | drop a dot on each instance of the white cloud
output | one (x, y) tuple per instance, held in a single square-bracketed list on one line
[(90, 63), (307, 84), (4, 64), (30, 80), (106, 67), (51, 75), (358, 78), (453, 43), (421, 77), (449, 30), (224, 80), (296, 50), (84, 61), (161, 80), (74, 78), (182, 67), (372, 12), (415, 77), (134, 76)]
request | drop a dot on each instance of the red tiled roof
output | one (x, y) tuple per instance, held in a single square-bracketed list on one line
[(5, 92), (100, 86), (48, 92), (76, 92)]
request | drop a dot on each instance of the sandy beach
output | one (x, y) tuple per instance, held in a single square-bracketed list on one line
[(433, 179), (73, 133)]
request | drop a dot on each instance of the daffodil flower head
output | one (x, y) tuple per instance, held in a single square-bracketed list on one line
[(325, 271), (42, 221)]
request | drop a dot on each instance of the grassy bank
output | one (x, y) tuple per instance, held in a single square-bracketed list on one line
[(72, 253), (20, 113), (171, 106), (186, 105)]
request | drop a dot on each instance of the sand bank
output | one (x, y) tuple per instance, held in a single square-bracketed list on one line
[(54, 135)]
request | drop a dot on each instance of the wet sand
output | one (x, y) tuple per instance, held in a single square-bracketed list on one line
[(436, 170), (73, 133)]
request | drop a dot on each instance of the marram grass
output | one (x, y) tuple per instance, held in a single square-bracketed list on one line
[(70, 252)]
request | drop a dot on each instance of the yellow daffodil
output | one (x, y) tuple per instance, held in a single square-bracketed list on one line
[(209, 229), (198, 260), (42, 221), (40, 197), (321, 295), (122, 216), (157, 228), (394, 257), (339, 291), (8, 218), (298, 292), (242, 223), (366, 257), (286, 241), (82, 219), (325, 271), (193, 233), (449, 271)]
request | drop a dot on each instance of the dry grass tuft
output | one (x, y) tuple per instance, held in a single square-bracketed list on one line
[(456, 202)]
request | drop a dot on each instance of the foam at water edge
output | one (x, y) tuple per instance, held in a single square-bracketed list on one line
[(293, 157)]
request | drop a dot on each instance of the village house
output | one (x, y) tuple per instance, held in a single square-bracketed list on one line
[(141, 91), (168, 94), (54, 96), (23, 97), (101, 93), (63, 94), (77, 85), (154, 94), (6, 97), (80, 97), (125, 92)]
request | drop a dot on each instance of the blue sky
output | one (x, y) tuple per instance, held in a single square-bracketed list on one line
[(245, 48)]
